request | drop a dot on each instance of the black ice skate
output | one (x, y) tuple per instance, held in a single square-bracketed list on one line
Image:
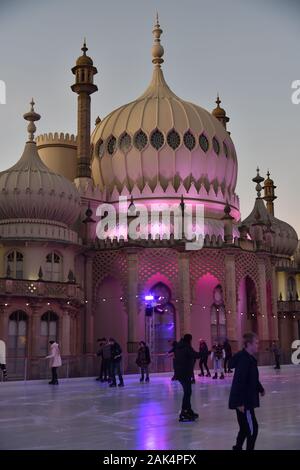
[(215, 376), (186, 416), (222, 376)]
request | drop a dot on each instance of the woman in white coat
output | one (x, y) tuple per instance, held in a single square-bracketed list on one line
[(55, 361)]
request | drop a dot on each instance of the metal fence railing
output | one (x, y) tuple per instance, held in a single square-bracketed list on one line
[(87, 365)]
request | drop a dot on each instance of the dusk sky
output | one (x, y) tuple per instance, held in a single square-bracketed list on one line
[(246, 51)]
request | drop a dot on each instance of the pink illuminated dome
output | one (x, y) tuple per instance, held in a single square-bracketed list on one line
[(162, 147)]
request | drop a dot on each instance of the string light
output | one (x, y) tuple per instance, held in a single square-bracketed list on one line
[(5, 305)]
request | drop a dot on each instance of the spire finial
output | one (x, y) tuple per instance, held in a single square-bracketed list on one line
[(157, 48), (31, 116), (258, 179), (84, 48), (218, 101)]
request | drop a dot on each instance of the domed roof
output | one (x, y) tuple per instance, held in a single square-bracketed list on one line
[(219, 112), (160, 140), (30, 190), (84, 59), (284, 236)]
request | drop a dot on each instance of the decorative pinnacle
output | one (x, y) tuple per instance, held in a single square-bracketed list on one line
[(157, 48), (31, 116), (218, 101), (84, 48), (258, 179)]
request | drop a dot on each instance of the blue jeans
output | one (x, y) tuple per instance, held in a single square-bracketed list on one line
[(116, 370)]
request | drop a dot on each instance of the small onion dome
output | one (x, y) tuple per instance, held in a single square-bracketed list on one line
[(84, 59), (219, 112), (268, 181), (30, 190)]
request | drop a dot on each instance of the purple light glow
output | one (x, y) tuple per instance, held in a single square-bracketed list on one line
[(149, 297)]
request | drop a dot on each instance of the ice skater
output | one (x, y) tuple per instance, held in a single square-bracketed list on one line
[(185, 357), (55, 361), (204, 353), (116, 363), (217, 356), (143, 360), (277, 353), (101, 342), (228, 356), (245, 391)]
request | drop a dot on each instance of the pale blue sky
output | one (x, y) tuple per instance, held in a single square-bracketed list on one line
[(246, 50)]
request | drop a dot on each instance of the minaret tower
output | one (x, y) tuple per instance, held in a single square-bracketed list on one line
[(84, 86), (269, 193)]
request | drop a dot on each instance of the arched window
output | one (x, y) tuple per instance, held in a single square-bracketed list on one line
[(17, 334), (49, 330), (164, 331), (14, 265), (217, 316), (53, 267)]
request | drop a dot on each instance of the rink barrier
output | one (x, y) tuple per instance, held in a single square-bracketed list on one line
[(87, 365)]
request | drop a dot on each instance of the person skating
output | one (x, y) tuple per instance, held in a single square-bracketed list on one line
[(55, 361), (204, 353), (277, 353), (185, 357), (116, 362), (3, 360), (228, 356), (101, 342), (217, 356), (107, 365), (143, 360), (245, 391)]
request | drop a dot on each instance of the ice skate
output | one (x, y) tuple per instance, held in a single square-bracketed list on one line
[(186, 416)]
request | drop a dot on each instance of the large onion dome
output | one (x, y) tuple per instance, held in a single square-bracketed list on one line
[(161, 145), (30, 190)]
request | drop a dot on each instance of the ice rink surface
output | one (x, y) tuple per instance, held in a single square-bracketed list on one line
[(85, 414)]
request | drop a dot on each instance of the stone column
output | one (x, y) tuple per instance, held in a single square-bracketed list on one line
[(295, 329), (36, 366), (273, 322), (184, 292), (132, 282), (233, 320), (89, 345), (4, 324), (263, 329), (66, 332)]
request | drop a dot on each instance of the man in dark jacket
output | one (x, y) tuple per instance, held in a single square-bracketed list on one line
[(185, 357), (143, 360), (116, 359), (245, 390)]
